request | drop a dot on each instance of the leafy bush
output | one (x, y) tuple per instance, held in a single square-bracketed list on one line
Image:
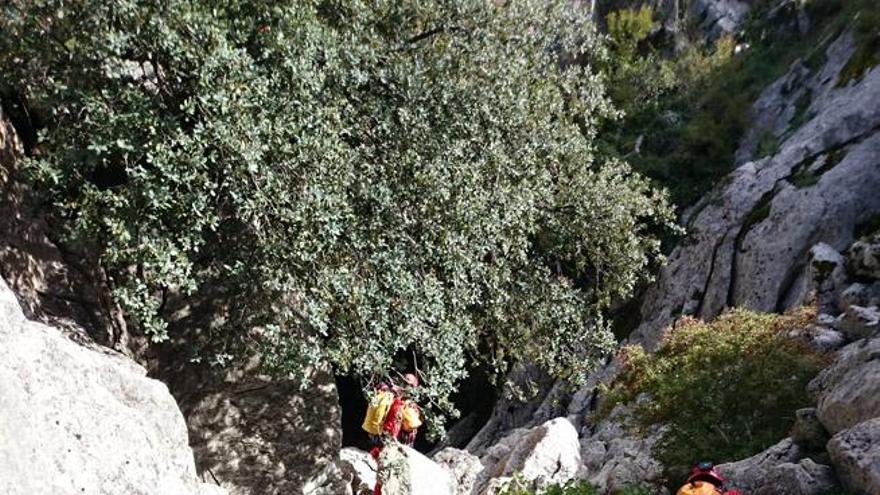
[(726, 389), (629, 27), (518, 486), (366, 181)]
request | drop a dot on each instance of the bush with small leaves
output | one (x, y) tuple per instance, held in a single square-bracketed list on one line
[(368, 181), (726, 389)]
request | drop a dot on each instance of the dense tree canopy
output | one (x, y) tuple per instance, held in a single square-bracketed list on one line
[(370, 179)]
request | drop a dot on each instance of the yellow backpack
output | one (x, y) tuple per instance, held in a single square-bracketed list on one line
[(377, 409), (699, 488), (412, 417)]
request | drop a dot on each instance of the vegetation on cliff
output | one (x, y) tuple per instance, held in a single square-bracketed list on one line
[(725, 390)]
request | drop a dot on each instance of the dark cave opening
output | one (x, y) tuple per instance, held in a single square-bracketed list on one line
[(475, 399)]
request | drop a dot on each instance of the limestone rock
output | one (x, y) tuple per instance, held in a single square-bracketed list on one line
[(463, 466), (407, 472), (614, 458), (828, 274), (56, 287), (359, 470), (848, 391), (750, 237), (627, 462), (750, 474), (858, 294), (526, 382), (855, 453), (251, 432), (820, 338), (804, 478), (864, 257), (74, 420), (257, 435), (542, 456), (858, 322), (718, 17)]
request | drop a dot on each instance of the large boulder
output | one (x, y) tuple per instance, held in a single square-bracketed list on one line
[(749, 238), (463, 466), (819, 337), (255, 434), (53, 285), (859, 294), (75, 420), (808, 431), (359, 470), (523, 404), (544, 455), (848, 391), (404, 471), (802, 478), (858, 322), (615, 456), (754, 472), (855, 453), (864, 257), (828, 274)]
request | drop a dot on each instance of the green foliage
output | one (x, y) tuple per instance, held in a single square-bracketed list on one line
[(768, 144), (806, 174), (518, 486), (637, 76), (865, 58), (629, 27), (726, 389), (366, 181)]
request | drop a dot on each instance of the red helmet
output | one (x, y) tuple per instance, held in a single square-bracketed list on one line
[(705, 471), (411, 379)]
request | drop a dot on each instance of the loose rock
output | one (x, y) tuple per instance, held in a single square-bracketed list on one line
[(74, 420), (864, 257), (848, 392), (804, 478), (753, 473), (856, 455)]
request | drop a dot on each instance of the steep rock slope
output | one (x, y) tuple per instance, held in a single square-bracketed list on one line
[(749, 238), (77, 420)]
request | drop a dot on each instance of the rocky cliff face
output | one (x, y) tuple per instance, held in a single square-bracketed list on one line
[(78, 420), (749, 238)]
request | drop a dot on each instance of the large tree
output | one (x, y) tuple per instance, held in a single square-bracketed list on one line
[(370, 180)]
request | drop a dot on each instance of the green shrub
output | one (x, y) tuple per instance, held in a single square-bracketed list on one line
[(726, 389), (367, 181), (517, 486), (629, 27)]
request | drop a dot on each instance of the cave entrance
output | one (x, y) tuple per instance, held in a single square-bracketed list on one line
[(475, 399)]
